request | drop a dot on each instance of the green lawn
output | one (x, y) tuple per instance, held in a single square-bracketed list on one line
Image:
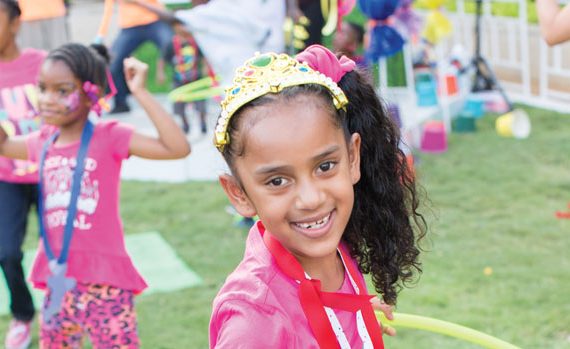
[(492, 205)]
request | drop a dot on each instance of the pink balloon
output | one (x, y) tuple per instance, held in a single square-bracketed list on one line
[(345, 6)]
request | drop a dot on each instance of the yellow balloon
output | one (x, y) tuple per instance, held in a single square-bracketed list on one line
[(438, 26), (431, 4)]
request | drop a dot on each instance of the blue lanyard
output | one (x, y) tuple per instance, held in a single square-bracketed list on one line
[(75, 191)]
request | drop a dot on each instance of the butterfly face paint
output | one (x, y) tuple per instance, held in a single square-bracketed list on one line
[(71, 102), (59, 99)]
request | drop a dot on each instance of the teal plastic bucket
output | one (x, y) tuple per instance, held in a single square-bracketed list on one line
[(474, 107), (464, 124), (426, 90)]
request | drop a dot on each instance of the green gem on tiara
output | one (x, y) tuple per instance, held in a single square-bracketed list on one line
[(261, 61)]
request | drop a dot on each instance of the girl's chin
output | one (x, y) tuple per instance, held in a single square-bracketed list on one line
[(56, 119), (51, 121)]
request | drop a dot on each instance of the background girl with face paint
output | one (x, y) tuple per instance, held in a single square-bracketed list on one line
[(71, 84)]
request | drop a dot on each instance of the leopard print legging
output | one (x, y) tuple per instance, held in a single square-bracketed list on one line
[(104, 312)]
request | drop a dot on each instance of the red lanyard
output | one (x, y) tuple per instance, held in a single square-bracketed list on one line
[(313, 300)]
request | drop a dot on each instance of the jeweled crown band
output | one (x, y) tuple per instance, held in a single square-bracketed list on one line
[(268, 73)]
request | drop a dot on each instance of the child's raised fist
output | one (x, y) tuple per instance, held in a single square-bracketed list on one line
[(135, 74)]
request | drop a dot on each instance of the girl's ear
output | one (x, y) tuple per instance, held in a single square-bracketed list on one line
[(354, 157), (237, 196), (88, 102), (15, 26)]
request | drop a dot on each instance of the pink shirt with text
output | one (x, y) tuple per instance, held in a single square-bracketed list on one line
[(97, 252), (18, 109), (259, 307)]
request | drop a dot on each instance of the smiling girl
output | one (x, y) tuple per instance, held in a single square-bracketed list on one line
[(82, 260), (313, 154)]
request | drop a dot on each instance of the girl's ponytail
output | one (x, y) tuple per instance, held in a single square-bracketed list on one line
[(102, 51), (380, 232)]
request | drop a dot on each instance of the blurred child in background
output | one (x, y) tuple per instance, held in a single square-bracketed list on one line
[(348, 41), (188, 64), (82, 261), (19, 69)]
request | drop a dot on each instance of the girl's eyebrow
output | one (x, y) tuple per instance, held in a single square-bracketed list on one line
[(59, 84), (325, 153), (265, 170), (70, 84)]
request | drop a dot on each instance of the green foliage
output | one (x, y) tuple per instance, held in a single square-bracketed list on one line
[(150, 54)]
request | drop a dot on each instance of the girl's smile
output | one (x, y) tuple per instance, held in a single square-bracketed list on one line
[(314, 228)]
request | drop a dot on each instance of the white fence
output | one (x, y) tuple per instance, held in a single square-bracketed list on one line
[(529, 70)]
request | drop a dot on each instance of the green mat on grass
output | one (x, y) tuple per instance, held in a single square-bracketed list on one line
[(154, 258)]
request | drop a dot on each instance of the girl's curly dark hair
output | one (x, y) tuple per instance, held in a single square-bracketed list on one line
[(385, 225)]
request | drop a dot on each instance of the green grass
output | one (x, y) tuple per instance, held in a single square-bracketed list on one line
[(492, 205)]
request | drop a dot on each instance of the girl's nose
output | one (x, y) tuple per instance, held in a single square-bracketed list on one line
[(47, 97), (309, 195)]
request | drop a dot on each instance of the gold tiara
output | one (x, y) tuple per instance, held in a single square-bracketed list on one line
[(268, 73)]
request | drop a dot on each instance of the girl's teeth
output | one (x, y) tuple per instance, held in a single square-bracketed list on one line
[(314, 225)]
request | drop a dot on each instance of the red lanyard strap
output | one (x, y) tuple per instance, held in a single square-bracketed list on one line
[(313, 300)]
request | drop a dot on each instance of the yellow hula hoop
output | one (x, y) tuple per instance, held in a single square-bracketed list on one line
[(195, 91), (445, 328), (332, 18)]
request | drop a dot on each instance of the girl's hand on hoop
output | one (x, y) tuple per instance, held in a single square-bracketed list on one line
[(135, 74), (378, 304)]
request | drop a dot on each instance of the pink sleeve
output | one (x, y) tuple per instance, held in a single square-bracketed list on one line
[(240, 324), (118, 136)]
